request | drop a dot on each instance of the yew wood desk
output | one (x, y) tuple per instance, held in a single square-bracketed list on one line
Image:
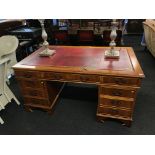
[(41, 78)]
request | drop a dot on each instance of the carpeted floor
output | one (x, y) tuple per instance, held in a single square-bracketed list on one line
[(76, 108)]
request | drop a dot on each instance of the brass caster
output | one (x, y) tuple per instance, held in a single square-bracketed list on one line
[(123, 124)]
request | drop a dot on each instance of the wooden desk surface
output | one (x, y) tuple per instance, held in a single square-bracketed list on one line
[(84, 59)]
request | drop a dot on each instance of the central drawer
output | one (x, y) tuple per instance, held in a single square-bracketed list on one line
[(88, 78), (120, 92), (70, 77)]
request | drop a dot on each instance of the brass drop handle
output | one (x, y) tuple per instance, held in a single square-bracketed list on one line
[(42, 82), (114, 112), (27, 75), (120, 81), (116, 93), (117, 81), (57, 76), (34, 93), (115, 102), (84, 78)]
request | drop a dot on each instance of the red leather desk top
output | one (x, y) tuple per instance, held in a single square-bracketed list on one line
[(84, 59), (81, 57)]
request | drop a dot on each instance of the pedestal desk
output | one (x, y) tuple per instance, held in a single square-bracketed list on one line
[(41, 79)]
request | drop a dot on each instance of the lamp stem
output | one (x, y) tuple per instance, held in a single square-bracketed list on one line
[(47, 51), (112, 53)]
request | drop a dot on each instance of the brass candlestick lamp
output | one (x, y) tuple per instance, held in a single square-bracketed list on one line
[(112, 53), (46, 51)]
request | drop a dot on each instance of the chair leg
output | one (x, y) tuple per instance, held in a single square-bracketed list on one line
[(4, 83), (16, 100), (1, 104), (1, 121), (6, 90), (9, 93)]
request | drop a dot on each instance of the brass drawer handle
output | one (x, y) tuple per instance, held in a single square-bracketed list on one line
[(84, 78), (42, 82), (116, 93), (28, 75), (34, 93), (115, 102), (120, 81), (57, 76), (115, 112), (117, 81)]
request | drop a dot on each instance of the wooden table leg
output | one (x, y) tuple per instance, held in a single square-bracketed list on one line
[(28, 109)]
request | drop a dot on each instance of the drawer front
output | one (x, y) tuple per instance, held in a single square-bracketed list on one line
[(89, 78), (118, 92), (34, 101), (30, 83), (115, 103), (53, 76), (27, 74), (115, 112), (34, 93), (71, 77), (120, 81), (60, 76)]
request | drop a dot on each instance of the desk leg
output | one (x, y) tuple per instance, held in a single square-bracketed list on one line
[(28, 108), (126, 123), (101, 119)]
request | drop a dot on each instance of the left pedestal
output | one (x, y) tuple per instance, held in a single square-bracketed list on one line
[(38, 92)]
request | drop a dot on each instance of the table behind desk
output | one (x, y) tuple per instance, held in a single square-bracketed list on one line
[(29, 39), (26, 33)]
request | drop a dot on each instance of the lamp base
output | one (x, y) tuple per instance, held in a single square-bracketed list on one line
[(111, 54), (47, 52)]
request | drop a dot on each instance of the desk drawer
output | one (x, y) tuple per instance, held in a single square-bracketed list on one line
[(115, 103), (60, 76), (120, 80), (34, 101), (53, 76), (71, 77), (114, 112), (36, 93), (30, 84), (28, 74), (89, 78), (118, 92)]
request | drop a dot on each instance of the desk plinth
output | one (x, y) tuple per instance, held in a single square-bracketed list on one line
[(41, 78)]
